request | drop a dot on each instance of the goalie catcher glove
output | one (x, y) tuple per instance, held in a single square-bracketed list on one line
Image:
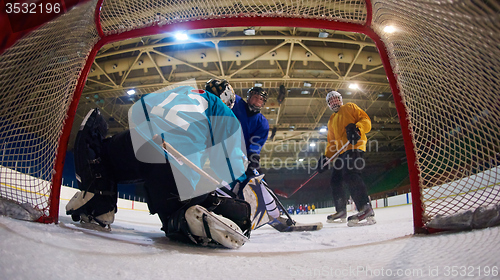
[(321, 161), (353, 133)]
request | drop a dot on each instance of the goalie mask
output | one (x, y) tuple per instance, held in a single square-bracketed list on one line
[(334, 101), (223, 90), (256, 98)]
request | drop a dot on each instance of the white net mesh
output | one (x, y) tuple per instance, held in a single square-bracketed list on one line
[(123, 15), (38, 78), (446, 59), (445, 55)]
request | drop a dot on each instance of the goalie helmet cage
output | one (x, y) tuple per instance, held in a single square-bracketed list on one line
[(442, 64)]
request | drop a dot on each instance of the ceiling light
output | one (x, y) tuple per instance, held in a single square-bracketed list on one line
[(307, 84), (301, 159), (312, 144), (258, 84), (389, 29), (249, 31), (140, 62), (304, 92), (323, 34), (353, 86), (323, 130), (131, 91), (181, 36)]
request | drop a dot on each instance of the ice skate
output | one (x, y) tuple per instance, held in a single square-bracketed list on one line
[(210, 226), (101, 223), (92, 209), (364, 217), (339, 217)]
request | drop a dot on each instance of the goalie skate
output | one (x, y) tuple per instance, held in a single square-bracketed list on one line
[(89, 223), (210, 226), (365, 217)]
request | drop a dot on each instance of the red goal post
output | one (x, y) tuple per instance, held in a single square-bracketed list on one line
[(442, 65)]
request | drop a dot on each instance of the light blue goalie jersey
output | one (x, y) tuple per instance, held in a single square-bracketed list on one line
[(198, 125)]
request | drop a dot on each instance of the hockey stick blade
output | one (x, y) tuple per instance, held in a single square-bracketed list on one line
[(281, 193)]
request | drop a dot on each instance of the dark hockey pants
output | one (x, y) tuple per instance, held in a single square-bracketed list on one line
[(347, 173), (159, 183)]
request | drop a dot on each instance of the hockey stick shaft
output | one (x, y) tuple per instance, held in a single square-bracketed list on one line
[(314, 174), (168, 148)]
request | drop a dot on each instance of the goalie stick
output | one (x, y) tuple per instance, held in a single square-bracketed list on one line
[(285, 195), (281, 224)]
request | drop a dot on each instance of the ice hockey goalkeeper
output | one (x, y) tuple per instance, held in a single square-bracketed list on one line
[(199, 126)]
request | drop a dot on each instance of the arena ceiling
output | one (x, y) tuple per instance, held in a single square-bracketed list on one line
[(308, 62)]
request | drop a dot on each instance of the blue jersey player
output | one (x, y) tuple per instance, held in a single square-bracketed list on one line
[(255, 132), (254, 125)]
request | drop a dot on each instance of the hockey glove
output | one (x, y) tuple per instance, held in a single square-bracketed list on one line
[(254, 164), (321, 161), (353, 133)]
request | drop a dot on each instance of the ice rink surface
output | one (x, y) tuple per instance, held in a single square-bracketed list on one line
[(137, 249)]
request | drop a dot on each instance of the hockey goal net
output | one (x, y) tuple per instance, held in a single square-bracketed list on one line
[(441, 61)]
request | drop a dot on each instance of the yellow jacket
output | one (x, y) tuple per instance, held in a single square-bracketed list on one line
[(337, 137)]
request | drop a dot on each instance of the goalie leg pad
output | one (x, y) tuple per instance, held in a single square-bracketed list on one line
[(176, 228), (237, 210), (205, 224), (252, 194), (91, 171)]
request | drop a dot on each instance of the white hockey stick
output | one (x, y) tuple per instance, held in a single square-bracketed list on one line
[(180, 157)]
